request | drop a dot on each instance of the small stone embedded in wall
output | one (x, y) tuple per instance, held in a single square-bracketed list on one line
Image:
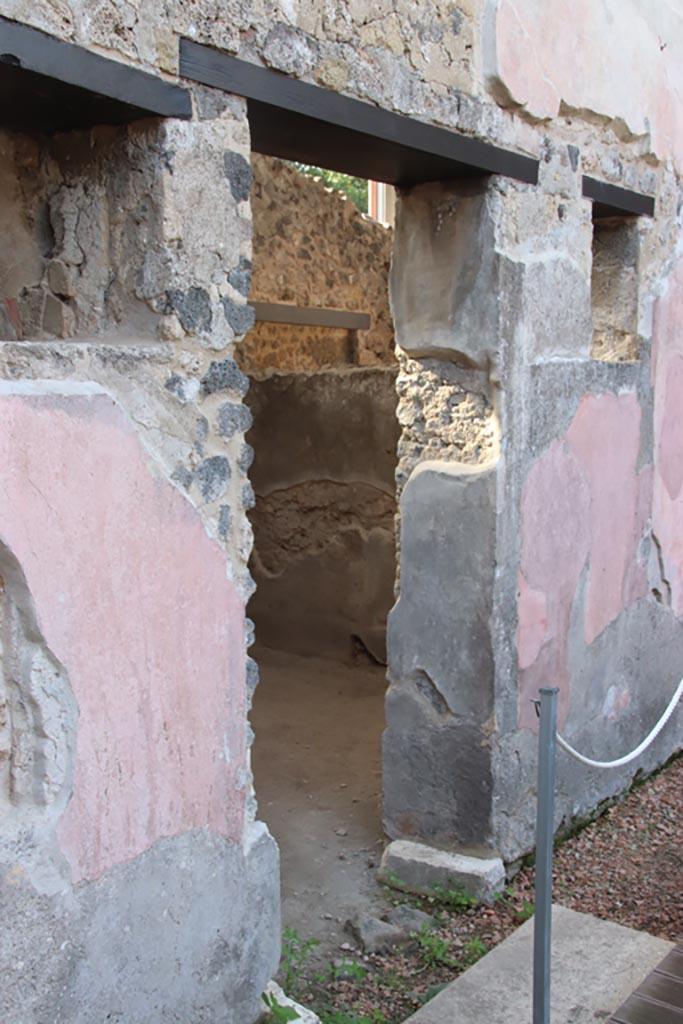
[(252, 677), (240, 276), (233, 417), (193, 308), (185, 389), (8, 330), (31, 311), (245, 457), (224, 521), (58, 319), (239, 174), (248, 496), (241, 318), (60, 280), (201, 433), (224, 376), (183, 476), (290, 50), (213, 476)]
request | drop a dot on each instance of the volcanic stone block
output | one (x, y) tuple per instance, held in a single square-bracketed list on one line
[(444, 283), (437, 758)]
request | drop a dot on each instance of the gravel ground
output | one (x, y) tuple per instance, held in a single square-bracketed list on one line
[(626, 867)]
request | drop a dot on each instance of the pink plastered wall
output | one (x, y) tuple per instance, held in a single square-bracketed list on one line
[(667, 372), (585, 505), (132, 597), (617, 58)]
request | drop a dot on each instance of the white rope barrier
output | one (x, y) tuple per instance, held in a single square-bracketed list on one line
[(639, 749)]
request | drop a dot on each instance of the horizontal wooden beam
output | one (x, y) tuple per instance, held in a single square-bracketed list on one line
[(48, 85), (310, 316), (299, 121), (614, 201)]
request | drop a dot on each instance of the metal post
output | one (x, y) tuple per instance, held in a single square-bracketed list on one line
[(545, 816)]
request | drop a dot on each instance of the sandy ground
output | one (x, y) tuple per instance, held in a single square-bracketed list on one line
[(317, 772)]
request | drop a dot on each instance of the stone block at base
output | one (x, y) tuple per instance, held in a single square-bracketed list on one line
[(414, 867)]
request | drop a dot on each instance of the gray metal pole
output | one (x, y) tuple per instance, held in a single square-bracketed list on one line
[(545, 816)]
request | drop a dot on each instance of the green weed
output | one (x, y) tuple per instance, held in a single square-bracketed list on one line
[(434, 949), (351, 1017), (296, 953), (525, 912), (473, 950), (454, 897)]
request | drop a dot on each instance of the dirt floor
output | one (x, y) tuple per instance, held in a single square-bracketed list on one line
[(317, 771)]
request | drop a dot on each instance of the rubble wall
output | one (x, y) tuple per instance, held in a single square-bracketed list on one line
[(324, 430), (129, 832)]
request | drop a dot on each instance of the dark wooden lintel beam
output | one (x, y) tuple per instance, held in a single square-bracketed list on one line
[(47, 84), (614, 201), (300, 121)]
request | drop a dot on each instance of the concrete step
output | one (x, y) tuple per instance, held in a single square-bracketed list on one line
[(596, 965)]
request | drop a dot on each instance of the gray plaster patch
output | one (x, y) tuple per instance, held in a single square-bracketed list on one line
[(556, 388), (188, 931)]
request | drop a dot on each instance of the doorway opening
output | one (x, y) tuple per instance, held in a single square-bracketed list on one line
[(325, 436)]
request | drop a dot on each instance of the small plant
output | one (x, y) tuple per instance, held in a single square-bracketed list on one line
[(350, 970), (434, 949), (432, 991), (296, 953), (278, 1013), (524, 912), (351, 1017), (454, 897), (474, 949)]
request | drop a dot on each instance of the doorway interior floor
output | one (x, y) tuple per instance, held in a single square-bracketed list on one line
[(317, 772)]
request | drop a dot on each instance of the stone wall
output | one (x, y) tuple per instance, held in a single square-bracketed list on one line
[(124, 547), (312, 247), (324, 429), (567, 433), (540, 486)]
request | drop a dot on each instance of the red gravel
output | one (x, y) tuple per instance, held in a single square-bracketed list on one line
[(628, 865)]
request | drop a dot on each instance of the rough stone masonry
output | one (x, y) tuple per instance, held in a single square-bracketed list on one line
[(539, 469)]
